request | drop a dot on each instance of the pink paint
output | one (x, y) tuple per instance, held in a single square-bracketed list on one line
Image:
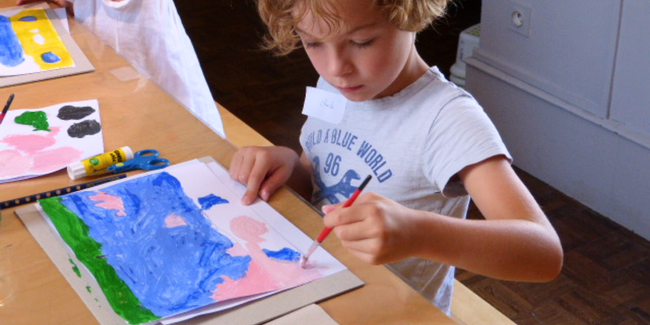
[(173, 220), (248, 229), (13, 163), (109, 202), (237, 250), (32, 143), (265, 274), (55, 159), (256, 281)]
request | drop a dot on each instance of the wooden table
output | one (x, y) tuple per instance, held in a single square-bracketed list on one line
[(136, 113)]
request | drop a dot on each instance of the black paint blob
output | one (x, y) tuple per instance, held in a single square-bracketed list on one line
[(69, 112), (82, 129)]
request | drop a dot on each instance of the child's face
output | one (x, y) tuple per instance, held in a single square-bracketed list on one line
[(367, 58)]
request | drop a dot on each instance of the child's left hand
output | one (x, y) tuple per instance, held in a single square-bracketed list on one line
[(375, 229)]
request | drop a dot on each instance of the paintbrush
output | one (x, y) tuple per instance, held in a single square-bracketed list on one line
[(326, 231), (4, 111)]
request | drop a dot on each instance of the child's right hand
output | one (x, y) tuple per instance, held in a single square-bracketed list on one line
[(263, 170)]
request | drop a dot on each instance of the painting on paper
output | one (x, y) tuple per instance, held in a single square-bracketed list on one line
[(36, 142), (29, 43), (173, 241)]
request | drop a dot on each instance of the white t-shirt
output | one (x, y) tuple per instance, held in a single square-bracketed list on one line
[(149, 35), (412, 143)]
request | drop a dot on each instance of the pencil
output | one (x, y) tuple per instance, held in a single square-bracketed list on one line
[(326, 231), (57, 192), (4, 111)]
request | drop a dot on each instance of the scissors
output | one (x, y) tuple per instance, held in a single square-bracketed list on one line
[(144, 159)]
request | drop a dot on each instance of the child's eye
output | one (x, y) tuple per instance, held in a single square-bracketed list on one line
[(310, 45), (363, 44)]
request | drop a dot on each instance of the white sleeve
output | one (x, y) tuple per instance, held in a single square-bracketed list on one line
[(461, 135)]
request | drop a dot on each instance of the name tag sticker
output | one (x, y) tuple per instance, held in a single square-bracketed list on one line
[(324, 105)]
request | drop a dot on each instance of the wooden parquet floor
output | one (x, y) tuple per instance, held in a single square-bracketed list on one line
[(606, 275)]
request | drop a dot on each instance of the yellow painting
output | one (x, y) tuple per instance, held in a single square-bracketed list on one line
[(29, 43)]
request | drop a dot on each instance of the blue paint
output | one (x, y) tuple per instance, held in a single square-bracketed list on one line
[(11, 50), (169, 269), (285, 254), (50, 57), (28, 18), (211, 200)]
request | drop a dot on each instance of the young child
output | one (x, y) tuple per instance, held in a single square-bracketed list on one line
[(428, 144), (150, 36)]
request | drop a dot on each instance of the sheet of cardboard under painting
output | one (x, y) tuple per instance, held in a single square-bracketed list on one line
[(254, 312), (81, 62)]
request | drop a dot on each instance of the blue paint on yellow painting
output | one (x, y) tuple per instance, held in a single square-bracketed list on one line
[(28, 18), (11, 51), (50, 57)]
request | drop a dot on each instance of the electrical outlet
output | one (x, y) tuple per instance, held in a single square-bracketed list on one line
[(520, 18)]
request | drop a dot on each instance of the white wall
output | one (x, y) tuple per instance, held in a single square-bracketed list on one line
[(631, 89), (570, 94)]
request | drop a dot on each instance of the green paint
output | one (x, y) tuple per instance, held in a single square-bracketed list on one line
[(36, 119), (75, 268), (89, 290), (75, 233)]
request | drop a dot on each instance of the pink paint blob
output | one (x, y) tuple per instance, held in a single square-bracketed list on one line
[(248, 229), (256, 281), (237, 250), (13, 163), (32, 143), (173, 220), (264, 274), (109, 202), (55, 159)]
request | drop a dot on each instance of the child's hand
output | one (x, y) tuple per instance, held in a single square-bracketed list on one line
[(375, 229), (263, 170)]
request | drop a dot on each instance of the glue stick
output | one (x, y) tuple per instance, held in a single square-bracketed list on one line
[(99, 164)]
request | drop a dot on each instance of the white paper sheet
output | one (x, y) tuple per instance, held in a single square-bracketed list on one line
[(35, 142), (274, 232), (31, 43)]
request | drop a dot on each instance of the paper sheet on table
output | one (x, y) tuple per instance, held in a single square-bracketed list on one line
[(35, 142), (269, 244), (30, 43)]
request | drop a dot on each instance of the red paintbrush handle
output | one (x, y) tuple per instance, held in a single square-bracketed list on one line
[(323, 234), (348, 203)]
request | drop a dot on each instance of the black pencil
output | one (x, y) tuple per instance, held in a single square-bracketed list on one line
[(57, 192)]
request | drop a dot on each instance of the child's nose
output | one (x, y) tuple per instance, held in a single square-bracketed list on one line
[(339, 63)]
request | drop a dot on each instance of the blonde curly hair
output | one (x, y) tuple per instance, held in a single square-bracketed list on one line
[(281, 17)]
